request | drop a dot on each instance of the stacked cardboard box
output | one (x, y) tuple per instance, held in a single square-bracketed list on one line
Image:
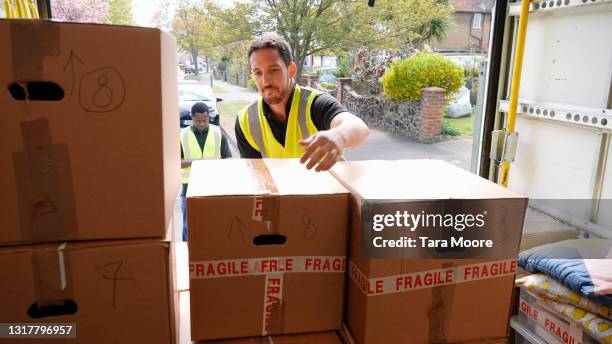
[(402, 300), (329, 337), (267, 249), (549, 325), (90, 171)]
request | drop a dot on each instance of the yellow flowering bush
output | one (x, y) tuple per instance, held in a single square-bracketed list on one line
[(405, 79)]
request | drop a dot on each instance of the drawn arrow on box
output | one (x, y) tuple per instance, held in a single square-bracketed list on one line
[(70, 63)]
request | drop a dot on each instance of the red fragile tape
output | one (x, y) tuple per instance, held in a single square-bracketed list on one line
[(566, 333), (431, 278), (273, 268), (265, 266)]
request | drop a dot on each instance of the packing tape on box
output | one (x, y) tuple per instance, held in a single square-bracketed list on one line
[(441, 281), (45, 191), (31, 42), (266, 207), (265, 266), (432, 278), (52, 273), (273, 269), (441, 299), (565, 332)]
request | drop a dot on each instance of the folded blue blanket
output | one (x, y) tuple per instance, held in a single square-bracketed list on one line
[(583, 265)]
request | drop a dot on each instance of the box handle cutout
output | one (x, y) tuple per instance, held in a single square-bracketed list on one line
[(270, 239), (63, 307), (36, 90)]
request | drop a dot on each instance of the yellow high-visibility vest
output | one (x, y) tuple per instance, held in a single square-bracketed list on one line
[(192, 151), (258, 133), (25, 9)]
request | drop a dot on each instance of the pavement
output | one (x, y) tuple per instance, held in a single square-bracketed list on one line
[(381, 145), (232, 92)]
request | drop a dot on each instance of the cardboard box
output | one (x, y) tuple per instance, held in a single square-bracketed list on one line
[(309, 338), (347, 338), (112, 291), (306, 338), (267, 248), (549, 325), (102, 161), (421, 300)]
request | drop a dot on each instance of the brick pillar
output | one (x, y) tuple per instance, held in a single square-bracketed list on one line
[(432, 105), (341, 83)]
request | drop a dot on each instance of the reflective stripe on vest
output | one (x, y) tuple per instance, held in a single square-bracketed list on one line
[(192, 151), (258, 133)]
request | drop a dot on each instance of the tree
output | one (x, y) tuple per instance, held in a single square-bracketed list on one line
[(434, 29), (82, 11), (317, 26), (407, 24), (206, 29), (337, 26), (191, 29), (162, 18), (121, 12)]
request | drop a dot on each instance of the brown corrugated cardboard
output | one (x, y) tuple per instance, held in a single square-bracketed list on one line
[(242, 289), (458, 312), (117, 291), (103, 161), (347, 338), (310, 338), (306, 338)]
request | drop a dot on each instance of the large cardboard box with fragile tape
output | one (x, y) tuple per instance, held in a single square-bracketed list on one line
[(110, 291), (330, 337), (89, 143), (428, 294), (267, 248)]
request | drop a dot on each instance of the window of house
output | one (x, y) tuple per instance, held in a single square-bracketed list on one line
[(477, 21)]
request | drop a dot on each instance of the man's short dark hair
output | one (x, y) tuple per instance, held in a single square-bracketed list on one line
[(199, 107), (272, 41)]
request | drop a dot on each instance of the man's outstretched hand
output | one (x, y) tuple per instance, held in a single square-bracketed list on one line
[(322, 150)]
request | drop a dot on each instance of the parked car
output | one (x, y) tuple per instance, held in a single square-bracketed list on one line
[(191, 92)]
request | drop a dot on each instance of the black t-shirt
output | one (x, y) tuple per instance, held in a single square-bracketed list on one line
[(323, 109)]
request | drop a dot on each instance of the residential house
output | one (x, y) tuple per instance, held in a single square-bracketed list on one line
[(471, 27)]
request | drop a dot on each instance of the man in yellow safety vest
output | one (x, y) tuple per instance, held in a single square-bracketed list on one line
[(200, 140), (290, 121)]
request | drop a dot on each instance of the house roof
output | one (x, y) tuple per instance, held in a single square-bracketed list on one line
[(472, 5)]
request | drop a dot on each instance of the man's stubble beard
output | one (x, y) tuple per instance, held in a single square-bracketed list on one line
[(278, 99)]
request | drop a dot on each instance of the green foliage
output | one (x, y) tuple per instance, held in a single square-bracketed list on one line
[(121, 12), (315, 72), (251, 83), (405, 79), (344, 68), (464, 125), (448, 129), (327, 85)]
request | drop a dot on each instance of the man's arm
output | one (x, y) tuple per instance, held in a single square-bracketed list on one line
[(324, 148)]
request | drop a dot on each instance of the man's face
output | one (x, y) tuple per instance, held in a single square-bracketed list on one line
[(200, 120), (271, 75)]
